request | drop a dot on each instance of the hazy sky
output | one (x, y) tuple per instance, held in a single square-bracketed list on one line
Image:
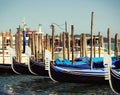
[(75, 12)]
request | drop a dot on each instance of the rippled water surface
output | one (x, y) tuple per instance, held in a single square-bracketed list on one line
[(36, 85)]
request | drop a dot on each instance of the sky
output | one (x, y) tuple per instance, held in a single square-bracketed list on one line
[(74, 12)]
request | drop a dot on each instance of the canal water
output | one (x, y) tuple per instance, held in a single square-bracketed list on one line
[(37, 85)]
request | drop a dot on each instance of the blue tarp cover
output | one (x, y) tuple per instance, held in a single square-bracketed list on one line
[(84, 62)]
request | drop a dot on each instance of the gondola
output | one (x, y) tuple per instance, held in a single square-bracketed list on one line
[(76, 75), (6, 69), (37, 68), (114, 80), (20, 68)]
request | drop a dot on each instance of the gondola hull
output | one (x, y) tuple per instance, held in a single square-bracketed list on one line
[(115, 80), (76, 75), (20, 68), (38, 68), (6, 69)]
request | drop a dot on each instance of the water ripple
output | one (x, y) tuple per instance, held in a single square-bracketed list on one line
[(36, 85)]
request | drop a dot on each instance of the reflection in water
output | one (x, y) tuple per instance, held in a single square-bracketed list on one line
[(36, 85)]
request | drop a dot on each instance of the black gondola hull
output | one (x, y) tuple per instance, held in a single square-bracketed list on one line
[(38, 68), (115, 80), (20, 68), (75, 77), (6, 69)]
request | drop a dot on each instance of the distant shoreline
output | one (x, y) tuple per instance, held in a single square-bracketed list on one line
[(112, 40)]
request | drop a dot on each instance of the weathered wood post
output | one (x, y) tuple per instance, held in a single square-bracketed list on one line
[(116, 45), (39, 43), (84, 45), (19, 44), (94, 41), (53, 39), (24, 39), (30, 43), (36, 46), (102, 41), (81, 45), (42, 47), (68, 36), (99, 43), (39, 38), (3, 47), (16, 45), (64, 52), (46, 41), (11, 39), (92, 16), (61, 40), (33, 44), (72, 32), (109, 41)]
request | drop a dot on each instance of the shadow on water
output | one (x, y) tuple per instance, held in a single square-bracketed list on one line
[(36, 85)]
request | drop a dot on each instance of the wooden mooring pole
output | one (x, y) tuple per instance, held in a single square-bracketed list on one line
[(46, 41), (33, 44), (61, 40), (99, 43), (11, 39), (109, 41), (81, 45), (92, 16), (116, 45), (18, 45), (36, 47), (3, 47), (53, 39), (94, 41), (68, 36), (72, 33), (64, 46), (84, 45)]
